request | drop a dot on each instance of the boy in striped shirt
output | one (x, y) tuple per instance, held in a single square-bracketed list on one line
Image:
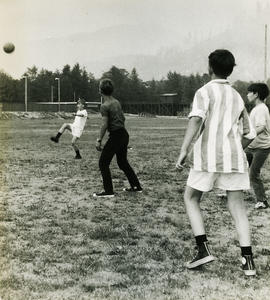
[(221, 124)]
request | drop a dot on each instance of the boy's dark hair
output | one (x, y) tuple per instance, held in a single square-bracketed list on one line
[(222, 62), (82, 101), (106, 87), (259, 88)]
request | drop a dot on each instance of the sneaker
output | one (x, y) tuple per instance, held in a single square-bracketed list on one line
[(103, 195), (261, 205), (248, 265), (134, 190), (54, 139), (222, 195), (202, 257)]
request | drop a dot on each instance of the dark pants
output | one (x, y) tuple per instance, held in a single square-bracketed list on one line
[(116, 145), (256, 159)]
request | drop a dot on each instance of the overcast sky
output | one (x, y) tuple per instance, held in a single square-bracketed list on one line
[(25, 21), (40, 19)]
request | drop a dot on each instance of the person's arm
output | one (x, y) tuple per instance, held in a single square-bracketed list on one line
[(102, 132), (194, 125), (249, 133), (197, 116), (246, 142), (259, 129)]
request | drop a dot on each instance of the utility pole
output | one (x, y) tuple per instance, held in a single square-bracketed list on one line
[(58, 79), (265, 53), (52, 93), (25, 93)]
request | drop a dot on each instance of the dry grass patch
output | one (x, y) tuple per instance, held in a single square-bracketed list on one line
[(58, 242)]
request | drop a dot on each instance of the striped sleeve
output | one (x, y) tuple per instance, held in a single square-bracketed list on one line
[(200, 104), (248, 130)]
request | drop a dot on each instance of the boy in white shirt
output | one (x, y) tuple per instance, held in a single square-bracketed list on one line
[(258, 151), (76, 128), (220, 121)]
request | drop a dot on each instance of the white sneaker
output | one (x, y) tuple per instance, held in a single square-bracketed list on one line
[(103, 195), (222, 195), (261, 205), (133, 190)]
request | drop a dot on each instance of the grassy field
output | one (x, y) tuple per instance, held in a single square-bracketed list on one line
[(57, 242)]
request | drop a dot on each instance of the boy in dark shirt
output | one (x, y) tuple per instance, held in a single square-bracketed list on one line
[(117, 144)]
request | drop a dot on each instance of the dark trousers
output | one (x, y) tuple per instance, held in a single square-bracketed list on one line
[(116, 145), (256, 159)]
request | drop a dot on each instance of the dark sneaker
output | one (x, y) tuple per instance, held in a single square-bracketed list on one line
[(261, 205), (133, 190), (54, 139), (248, 265), (202, 257), (78, 156), (103, 195)]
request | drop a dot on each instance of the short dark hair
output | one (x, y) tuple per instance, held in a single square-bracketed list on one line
[(106, 87), (259, 88), (82, 101), (222, 62)]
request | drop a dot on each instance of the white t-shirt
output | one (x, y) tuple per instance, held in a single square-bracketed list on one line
[(259, 116), (79, 123)]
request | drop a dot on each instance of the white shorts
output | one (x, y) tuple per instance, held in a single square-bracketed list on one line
[(206, 181), (75, 131)]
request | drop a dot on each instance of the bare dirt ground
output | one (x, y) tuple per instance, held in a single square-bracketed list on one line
[(58, 242)]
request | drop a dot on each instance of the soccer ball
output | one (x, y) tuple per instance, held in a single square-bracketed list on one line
[(9, 47)]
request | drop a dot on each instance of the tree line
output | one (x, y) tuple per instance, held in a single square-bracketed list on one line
[(76, 82)]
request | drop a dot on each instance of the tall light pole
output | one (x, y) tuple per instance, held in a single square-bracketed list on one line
[(265, 53), (25, 93), (58, 79), (52, 92)]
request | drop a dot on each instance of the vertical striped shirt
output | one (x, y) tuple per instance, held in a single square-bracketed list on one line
[(225, 121)]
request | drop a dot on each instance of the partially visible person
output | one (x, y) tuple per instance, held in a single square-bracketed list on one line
[(113, 121), (258, 151), (76, 128), (220, 124)]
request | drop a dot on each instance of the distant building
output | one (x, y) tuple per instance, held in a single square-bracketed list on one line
[(171, 104), (167, 104), (169, 98)]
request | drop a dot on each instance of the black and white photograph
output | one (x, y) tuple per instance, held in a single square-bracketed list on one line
[(134, 145)]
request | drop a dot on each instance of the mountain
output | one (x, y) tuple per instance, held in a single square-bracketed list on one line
[(116, 41), (154, 51), (248, 50)]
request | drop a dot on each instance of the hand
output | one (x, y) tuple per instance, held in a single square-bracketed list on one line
[(98, 145), (180, 164)]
